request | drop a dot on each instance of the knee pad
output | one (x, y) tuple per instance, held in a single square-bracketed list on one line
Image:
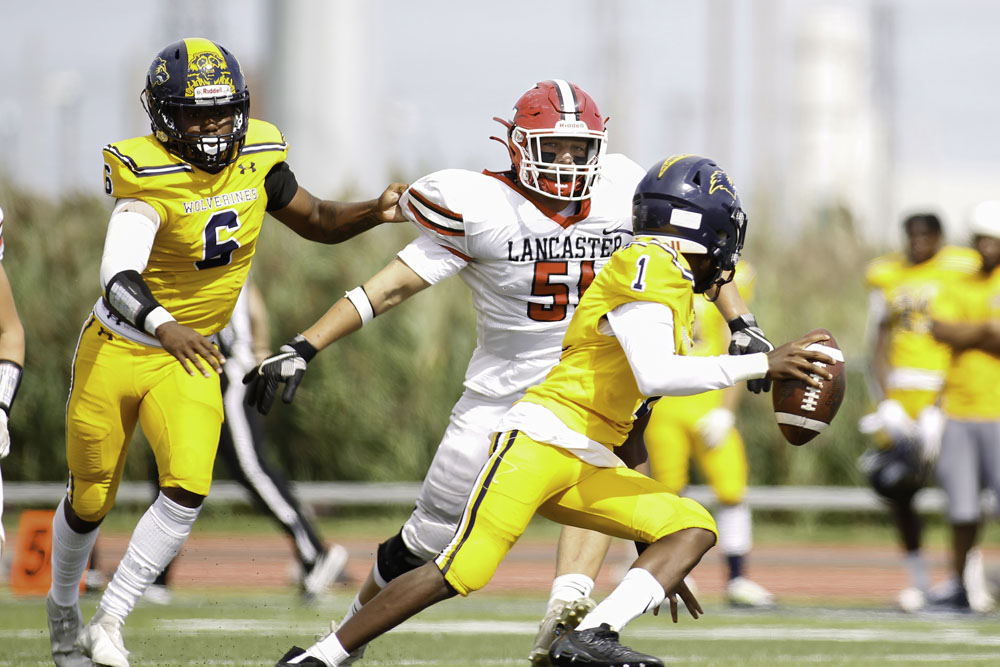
[(394, 558)]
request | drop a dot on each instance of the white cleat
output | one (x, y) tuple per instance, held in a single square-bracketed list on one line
[(911, 600), (64, 628), (324, 572), (741, 592), (102, 641), (568, 614), (974, 579)]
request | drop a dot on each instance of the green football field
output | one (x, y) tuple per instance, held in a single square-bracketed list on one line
[(243, 624), (220, 628)]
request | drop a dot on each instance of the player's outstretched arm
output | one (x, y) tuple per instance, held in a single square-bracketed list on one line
[(794, 361), (386, 289), (329, 221)]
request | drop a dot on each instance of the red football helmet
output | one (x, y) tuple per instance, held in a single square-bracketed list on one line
[(560, 109)]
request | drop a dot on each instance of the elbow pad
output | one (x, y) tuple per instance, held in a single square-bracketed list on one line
[(129, 297)]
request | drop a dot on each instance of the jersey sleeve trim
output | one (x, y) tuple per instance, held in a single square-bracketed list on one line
[(140, 172), (264, 147), (434, 216), (458, 254)]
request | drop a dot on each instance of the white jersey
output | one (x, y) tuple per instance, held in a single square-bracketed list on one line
[(526, 267)]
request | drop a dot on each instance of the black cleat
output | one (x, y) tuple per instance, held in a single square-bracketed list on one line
[(596, 647), (289, 659)]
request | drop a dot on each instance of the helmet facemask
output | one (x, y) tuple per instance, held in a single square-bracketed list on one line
[(210, 152), (538, 171)]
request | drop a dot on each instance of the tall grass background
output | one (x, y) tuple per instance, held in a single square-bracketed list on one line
[(373, 406)]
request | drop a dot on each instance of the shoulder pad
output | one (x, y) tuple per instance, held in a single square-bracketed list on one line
[(263, 137), (956, 258), (128, 164), (882, 269), (443, 201)]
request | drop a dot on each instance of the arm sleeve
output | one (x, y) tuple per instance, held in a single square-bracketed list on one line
[(641, 328), (280, 186), (431, 261), (128, 242)]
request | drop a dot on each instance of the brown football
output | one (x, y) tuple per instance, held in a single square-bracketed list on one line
[(803, 411)]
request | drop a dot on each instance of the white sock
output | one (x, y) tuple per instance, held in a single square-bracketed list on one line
[(157, 538), (916, 568), (353, 609), (638, 592), (735, 529), (569, 587), (70, 553), (329, 650)]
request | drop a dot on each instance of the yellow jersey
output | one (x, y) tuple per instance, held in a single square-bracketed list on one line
[(908, 290), (592, 389), (972, 384), (209, 223)]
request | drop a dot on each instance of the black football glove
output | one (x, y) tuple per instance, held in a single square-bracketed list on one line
[(747, 338), (288, 366)]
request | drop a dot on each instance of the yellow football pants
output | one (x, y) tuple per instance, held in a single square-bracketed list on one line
[(117, 383), (523, 476)]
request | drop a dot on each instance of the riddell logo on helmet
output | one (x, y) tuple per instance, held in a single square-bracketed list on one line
[(211, 92), (571, 126)]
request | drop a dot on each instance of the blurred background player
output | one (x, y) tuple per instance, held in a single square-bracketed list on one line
[(11, 362), (907, 368), (700, 428), (245, 342), (967, 319), (190, 201)]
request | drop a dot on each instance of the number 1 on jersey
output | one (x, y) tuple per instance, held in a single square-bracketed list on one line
[(639, 284)]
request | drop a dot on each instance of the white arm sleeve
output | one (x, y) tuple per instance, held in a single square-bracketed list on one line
[(645, 330), (431, 261), (128, 242)]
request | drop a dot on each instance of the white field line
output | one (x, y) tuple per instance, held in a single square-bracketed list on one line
[(940, 635)]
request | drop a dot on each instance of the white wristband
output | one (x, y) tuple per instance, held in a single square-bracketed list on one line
[(359, 299), (156, 317)]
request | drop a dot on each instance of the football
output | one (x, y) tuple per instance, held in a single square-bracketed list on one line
[(803, 412)]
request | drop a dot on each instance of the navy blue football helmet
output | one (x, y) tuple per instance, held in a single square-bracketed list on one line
[(692, 201), (193, 74)]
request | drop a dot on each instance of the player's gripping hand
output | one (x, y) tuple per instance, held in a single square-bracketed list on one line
[(189, 347), (288, 366), (747, 338), (388, 203)]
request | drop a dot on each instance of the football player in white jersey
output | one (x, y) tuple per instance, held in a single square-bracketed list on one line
[(527, 242)]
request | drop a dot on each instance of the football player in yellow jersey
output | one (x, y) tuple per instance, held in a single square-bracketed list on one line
[(966, 317), (554, 452), (11, 362), (190, 202), (701, 428), (907, 370)]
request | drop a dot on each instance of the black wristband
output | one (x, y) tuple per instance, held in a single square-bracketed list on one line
[(744, 321), (302, 347), (10, 381)]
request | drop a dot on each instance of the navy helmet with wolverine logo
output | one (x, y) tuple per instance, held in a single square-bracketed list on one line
[(692, 201), (192, 74)]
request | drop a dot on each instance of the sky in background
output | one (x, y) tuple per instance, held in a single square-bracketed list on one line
[(880, 106)]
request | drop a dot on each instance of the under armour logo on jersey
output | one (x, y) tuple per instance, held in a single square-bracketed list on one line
[(252, 168)]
